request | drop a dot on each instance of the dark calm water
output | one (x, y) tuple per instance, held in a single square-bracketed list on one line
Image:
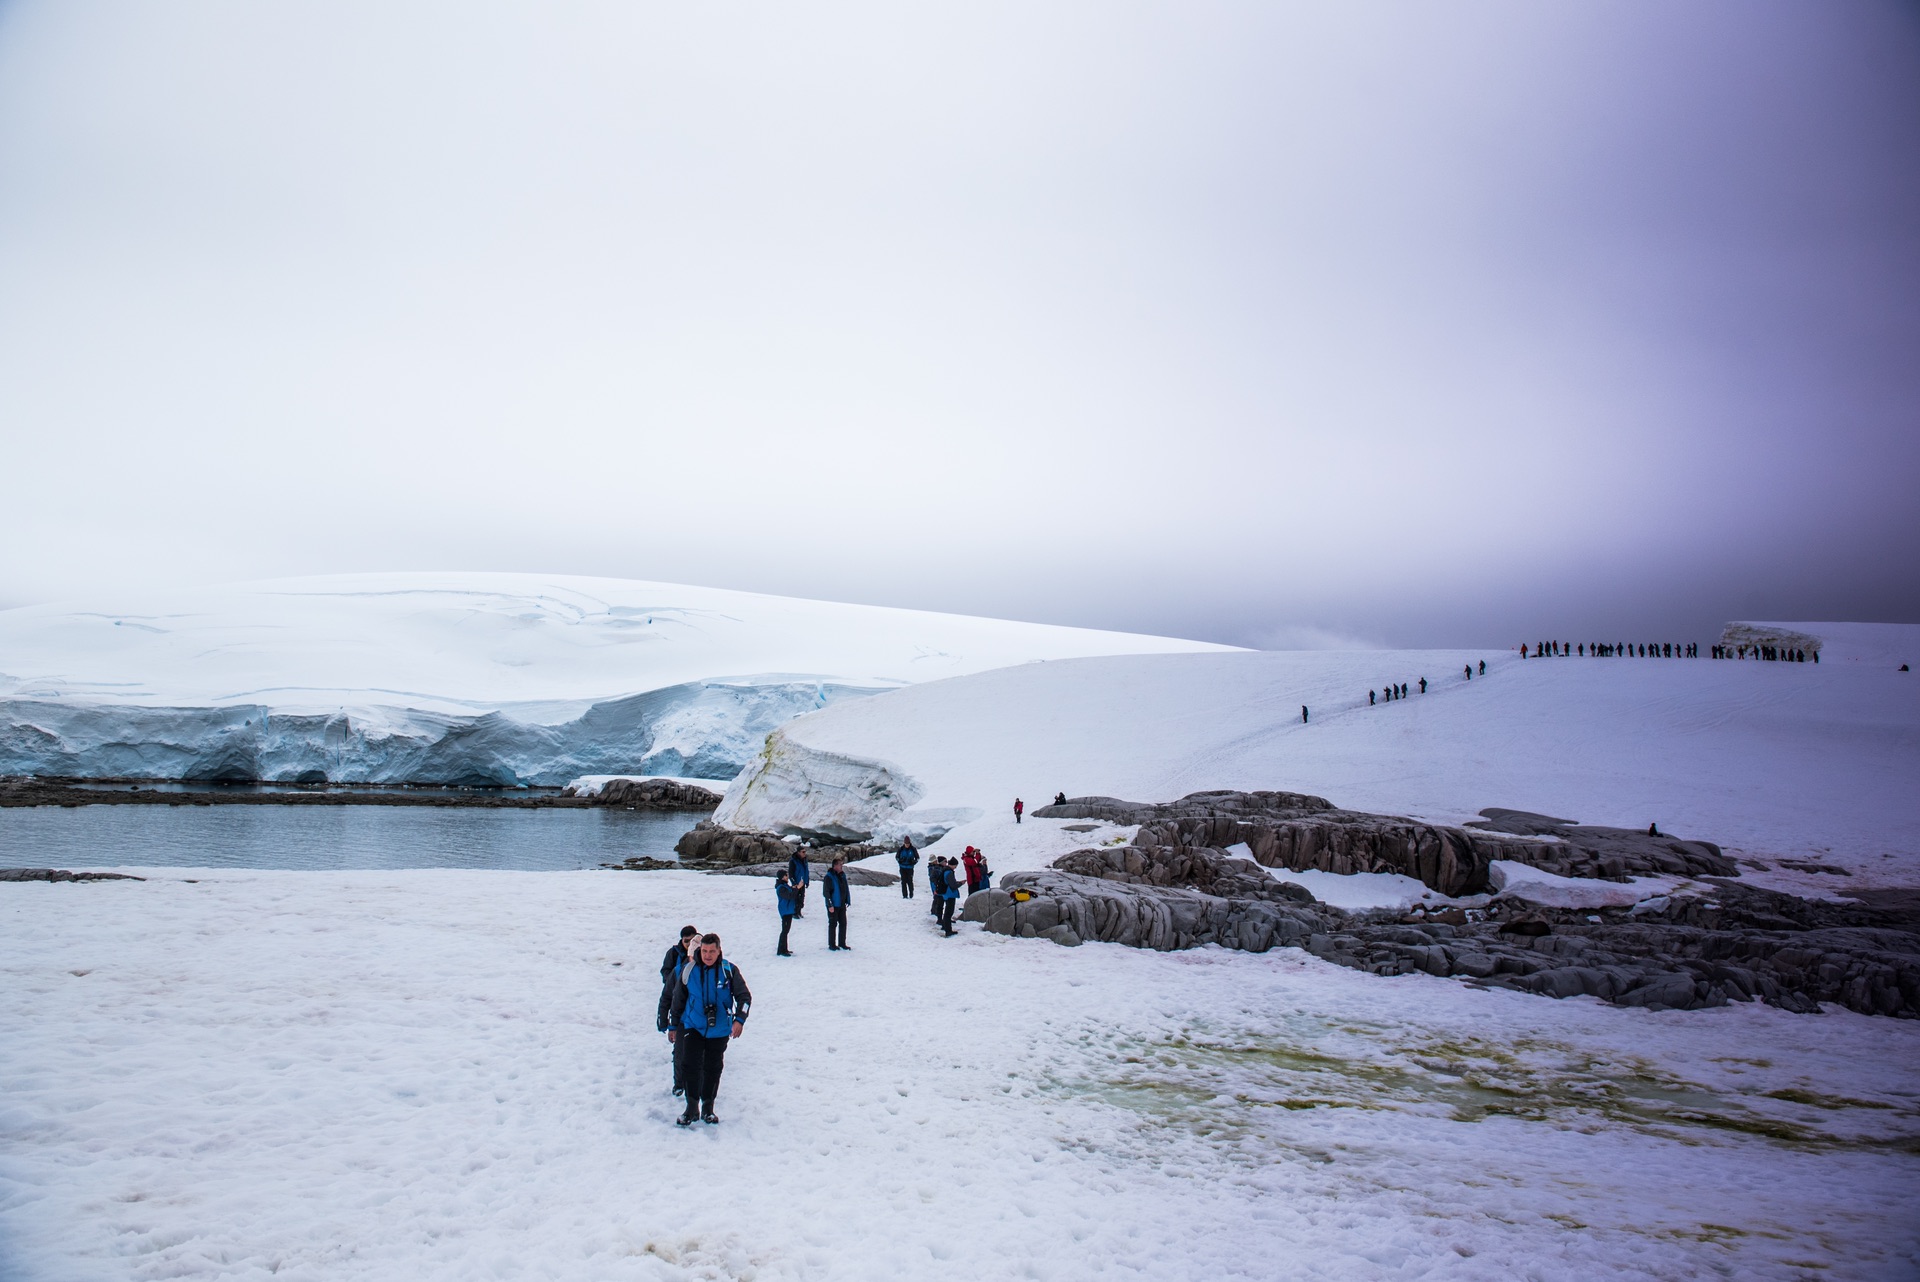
[(309, 837)]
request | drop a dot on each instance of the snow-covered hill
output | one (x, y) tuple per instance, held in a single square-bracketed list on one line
[(1772, 759), (505, 678)]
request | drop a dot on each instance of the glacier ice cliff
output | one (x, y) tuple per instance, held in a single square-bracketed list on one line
[(700, 730)]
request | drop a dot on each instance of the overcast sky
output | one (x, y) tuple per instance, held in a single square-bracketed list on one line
[(1399, 323)]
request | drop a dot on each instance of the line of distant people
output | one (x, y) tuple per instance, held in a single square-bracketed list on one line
[(1662, 650), (1765, 653), (1611, 650), (1395, 691)]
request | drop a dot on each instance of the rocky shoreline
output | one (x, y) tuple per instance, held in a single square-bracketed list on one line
[(628, 794)]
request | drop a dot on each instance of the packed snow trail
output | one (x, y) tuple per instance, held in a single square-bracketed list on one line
[(450, 1075)]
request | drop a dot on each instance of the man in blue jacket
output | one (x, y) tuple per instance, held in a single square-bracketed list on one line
[(784, 892), (710, 1002), (801, 875), (907, 858), (838, 894)]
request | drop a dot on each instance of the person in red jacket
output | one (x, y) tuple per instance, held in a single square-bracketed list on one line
[(1019, 808)]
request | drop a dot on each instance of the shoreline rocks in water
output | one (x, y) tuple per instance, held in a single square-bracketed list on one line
[(629, 794), (61, 874)]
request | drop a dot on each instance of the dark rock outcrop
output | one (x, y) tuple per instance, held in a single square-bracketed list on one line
[(1612, 853), (654, 794), (1163, 918), (1212, 872), (1744, 944), (709, 843), (1298, 831), (61, 874)]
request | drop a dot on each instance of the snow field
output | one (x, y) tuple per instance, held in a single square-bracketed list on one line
[(473, 642), (1770, 760), (446, 1075)]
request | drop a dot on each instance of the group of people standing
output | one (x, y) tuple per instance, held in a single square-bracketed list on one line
[(704, 999), (1611, 650), (1766, 653), (790, 891)]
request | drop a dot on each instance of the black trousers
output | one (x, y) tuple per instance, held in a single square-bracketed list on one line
[(680, 1064), (706, 1056), (799, 901), (946, 914), (906, 883), (836, 928), (786, 924)]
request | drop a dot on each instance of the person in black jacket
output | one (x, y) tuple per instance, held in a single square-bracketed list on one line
[(835, 890), (677, 956), (800, 873), (906, 858), (709, 1009), (947, 895)]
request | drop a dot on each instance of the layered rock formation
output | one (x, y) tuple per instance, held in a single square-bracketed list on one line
[(1300, 832), (1743, 944)]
